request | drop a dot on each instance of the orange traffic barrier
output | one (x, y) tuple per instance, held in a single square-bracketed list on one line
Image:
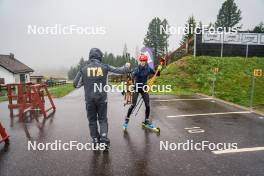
[(3, 134), (28, 97)]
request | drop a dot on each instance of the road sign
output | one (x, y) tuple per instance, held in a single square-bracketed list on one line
[(233, 38), (262, 39), (212, 38), (250, 38), (216, 70), (258, 72)]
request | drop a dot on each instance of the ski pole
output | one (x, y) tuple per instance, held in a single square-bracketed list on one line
[(136, 105), (139, 108)]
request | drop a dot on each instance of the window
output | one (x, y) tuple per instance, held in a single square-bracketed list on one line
[(2, 80)]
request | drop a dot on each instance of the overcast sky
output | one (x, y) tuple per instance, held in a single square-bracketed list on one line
[(124, 22)]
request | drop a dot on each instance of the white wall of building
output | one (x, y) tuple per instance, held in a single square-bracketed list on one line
[(7, 75), (17, 77), (27, 77), (10, 77)]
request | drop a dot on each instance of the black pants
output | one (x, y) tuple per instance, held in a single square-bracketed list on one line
[(145, 97), (97, 111)]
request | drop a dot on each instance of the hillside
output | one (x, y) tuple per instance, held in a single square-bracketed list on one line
[(233, 82)]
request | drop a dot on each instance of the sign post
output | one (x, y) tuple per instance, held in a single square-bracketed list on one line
[(222, 45), (247, 51), (257, 73), (194, 48), (222, 48), (215, 71)]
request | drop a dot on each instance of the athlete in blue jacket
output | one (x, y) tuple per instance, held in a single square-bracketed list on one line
[(140, 76)]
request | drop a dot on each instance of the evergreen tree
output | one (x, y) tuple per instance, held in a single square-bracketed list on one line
[(125, 52), (110, 59), (164, 38), (74, 69), (70, 73), (156, 38), (137, 52), (259, 28), (81, 63), (200, 25), (229, 15), (189, 29)]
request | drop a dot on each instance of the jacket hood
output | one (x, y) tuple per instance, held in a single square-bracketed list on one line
[(95, 53)]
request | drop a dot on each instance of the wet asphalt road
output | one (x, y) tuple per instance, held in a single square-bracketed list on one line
[(138, 151)]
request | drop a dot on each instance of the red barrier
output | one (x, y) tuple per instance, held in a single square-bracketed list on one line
[(3, 134), (28, 97)]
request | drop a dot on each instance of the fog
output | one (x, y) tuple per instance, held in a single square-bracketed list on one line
[(123, 22)]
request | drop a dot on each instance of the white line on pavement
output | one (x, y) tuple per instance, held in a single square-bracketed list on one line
[(185, 99), (191, 128), (217, 152), (207, 114)]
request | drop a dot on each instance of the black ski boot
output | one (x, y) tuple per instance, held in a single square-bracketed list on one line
[(106, 142)]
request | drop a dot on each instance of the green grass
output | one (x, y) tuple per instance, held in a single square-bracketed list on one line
[(56, 92), (261, 109), (61, 91), (3, 98), (233, 82)]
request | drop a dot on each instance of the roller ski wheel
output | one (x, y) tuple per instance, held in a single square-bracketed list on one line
[(151, 127)]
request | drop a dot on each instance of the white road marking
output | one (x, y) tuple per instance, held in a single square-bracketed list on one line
[(209, 114), (163, 107), (185, 99), (261, 117), (218, 152), (191, 128), (195, 130)]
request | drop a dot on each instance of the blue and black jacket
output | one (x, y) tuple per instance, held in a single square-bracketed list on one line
[(140, 74)]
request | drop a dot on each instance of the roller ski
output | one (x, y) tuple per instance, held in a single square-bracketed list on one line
[(150, 126)]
